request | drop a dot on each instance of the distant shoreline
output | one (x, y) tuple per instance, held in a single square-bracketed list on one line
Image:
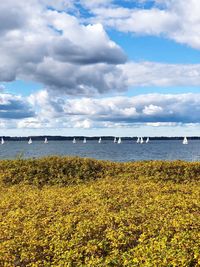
[(69, 138)]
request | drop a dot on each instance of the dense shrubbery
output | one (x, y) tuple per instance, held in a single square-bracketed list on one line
[(53, 170), (72, 170), (126, 214)]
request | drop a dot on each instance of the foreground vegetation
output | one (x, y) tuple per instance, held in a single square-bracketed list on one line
[(81, 212)]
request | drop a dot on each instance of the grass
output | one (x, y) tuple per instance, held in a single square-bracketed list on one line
[(62, 211)]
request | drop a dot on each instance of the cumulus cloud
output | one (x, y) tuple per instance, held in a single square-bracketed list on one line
[(78, 79), (11, 17), (84, 80), (138, 109), (82, 44), (175, 19), (14, 107), (73, 55), (160, 74), (42, 110), (68, 55), (54, 48), (151, 109)]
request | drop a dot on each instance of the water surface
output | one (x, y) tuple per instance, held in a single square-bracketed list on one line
[(107, 150)]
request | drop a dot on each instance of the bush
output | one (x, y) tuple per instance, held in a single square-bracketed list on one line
[(52, 170), (140, 214), (73, 170)]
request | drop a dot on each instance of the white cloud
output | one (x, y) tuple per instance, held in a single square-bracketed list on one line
[(151, 109), (73, 55), (85, 124), (14, 107), (67, 56), (32, 123), (53, 48), (164, 124), (160, 74), (175, 19), (45, 111), (3, 124)]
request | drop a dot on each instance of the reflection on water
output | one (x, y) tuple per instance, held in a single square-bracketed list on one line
[(107, 150)]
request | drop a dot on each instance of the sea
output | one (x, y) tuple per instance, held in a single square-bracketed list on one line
[(107, 150)]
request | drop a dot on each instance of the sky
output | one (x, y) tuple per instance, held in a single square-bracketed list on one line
[(100, 67)]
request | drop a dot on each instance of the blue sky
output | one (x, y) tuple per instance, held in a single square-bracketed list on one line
[(153, 48), (100, 67)]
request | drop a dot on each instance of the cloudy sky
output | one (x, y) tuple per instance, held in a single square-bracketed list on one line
[(100, 67)]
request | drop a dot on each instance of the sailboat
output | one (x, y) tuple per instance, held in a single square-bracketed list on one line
[(141, 140), (115, 140), (74, 141), (185, 141), (138, 140), (2, 141), (99, 141), (84, 140), (119, 140), (45, 140), (30, 141), (147, 140)]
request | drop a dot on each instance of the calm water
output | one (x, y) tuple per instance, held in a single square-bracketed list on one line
[(107, 150)]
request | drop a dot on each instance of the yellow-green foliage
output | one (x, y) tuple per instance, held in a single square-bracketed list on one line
[(134, 214), (72, 170)]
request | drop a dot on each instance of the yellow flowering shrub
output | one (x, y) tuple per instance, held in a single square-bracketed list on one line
[(80, 212)]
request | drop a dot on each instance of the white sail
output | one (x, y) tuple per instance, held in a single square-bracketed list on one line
[(46, 140), (185, 141), (74, 141), (99, 141), (115, 140), (30, 141), (147, 140), (141, 140), (138, 140), (84, 140), (2, 141), (119, 140)]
